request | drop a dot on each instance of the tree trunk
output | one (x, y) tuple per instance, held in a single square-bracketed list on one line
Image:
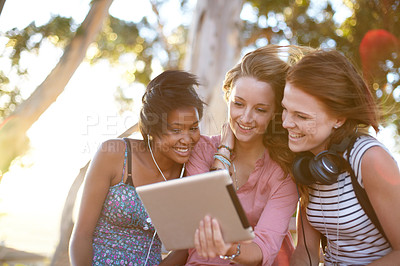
[(13, 130), (214, 48), (60, 256), (2, 2)]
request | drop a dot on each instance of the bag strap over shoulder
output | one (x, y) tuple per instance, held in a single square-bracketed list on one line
[(129, 158), (362, 198), (365, 203)]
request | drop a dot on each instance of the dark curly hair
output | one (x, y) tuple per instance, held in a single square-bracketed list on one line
[(170, 90)]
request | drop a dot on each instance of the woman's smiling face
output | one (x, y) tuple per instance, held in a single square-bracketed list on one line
[(307, 121), (251, 108), (180, 135)]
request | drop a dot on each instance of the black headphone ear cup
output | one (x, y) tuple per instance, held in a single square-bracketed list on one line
[(301, 169), (324, 170)]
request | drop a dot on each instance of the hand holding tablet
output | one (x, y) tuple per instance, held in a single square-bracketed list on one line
[(176, 208)]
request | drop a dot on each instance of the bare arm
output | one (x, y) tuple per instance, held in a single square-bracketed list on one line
[(227, 142), (381, 179), (97, 183), (311, 236)]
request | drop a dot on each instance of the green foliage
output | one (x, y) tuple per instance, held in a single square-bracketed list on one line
[(9, 98), (59, 30), (120, 38), (303, 22), (142, 43)]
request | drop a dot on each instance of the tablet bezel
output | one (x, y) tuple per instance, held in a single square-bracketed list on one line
[(177, 206)]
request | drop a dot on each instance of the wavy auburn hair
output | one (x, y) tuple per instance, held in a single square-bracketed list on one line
[(331, 78)]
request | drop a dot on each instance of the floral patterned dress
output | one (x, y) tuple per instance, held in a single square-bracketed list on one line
[(124, 232)]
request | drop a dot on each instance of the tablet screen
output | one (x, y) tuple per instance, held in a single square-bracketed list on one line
[(177, 206)]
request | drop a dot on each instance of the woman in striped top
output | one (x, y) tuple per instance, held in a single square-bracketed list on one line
[(325, 102)]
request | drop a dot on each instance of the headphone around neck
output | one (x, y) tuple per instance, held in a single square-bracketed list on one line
[(324, 167)]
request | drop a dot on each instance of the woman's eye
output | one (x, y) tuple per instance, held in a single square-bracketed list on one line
[(238, 103), (176, 130), (261, 110), (302, 117), (194, 128)]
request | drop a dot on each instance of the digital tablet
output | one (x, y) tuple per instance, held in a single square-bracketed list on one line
[(176, 207)]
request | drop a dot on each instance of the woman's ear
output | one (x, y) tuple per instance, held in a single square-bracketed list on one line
[(339, 122)]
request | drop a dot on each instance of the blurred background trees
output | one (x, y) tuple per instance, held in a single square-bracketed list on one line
[(329, 24), (220, 32), (20, 115)]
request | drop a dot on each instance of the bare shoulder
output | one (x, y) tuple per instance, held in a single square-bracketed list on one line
[(378, 157), (116, 147), (112, 147), (379, 167), (108, 160), (381, 178), (137, 145)]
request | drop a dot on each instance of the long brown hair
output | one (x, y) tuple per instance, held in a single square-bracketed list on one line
[(331, 78), (267, 64)]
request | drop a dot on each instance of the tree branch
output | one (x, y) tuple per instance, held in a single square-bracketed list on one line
[(2, 2)]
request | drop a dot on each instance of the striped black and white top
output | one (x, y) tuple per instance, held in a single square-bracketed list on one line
[(335, 211)]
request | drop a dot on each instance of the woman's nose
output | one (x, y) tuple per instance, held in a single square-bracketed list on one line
[(287, 121), (186, 138), (247, 116)]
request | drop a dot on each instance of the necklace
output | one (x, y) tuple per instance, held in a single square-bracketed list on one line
[(155, 162), (323, 217), (337, 224), (180, 176)]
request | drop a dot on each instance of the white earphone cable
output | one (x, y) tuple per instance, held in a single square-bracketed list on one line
[(180, 176)]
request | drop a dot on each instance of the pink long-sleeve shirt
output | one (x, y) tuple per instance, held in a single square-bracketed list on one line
[(268, 197)]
